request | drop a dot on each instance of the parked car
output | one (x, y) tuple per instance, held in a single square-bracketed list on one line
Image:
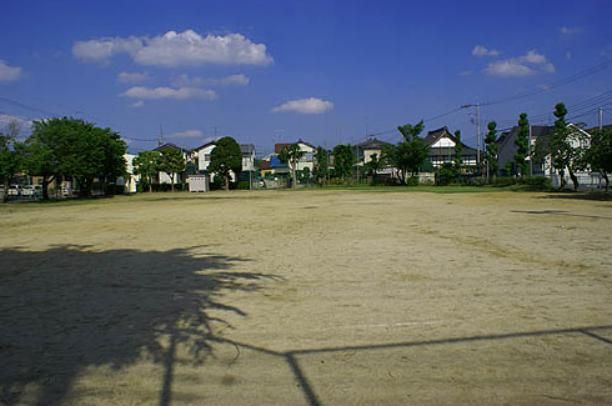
[(14, 190), (33, 191)]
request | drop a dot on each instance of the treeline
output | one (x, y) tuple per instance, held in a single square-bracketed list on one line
[(63, 148)]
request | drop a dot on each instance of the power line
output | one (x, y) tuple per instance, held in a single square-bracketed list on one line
[(554, 85)]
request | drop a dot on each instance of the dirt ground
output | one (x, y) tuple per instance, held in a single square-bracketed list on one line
[(307, 297)]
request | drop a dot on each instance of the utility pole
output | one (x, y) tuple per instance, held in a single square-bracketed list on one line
[(600, 115), (478, 140), (477, 106), (160, 141), (530, 157)]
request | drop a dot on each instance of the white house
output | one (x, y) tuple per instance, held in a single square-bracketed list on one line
[(203, 153), (163, 177), (307, 160), (129, 181), (442, 149)]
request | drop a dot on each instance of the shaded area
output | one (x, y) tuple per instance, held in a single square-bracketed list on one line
[(596, 196), (311, 397), (561, 213), (71, 307)]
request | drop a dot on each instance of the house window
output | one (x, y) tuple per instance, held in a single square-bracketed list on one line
[(207, 157)]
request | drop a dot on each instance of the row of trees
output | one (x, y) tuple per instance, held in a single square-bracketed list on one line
[(225, 160), (567, 148), (63, 147)]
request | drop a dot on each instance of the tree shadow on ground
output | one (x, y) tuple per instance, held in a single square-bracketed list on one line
[(595, 196), (71, 307)]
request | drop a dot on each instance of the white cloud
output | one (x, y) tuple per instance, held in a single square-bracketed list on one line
[(529, 64), (101, 50), (565, 30), (231, 80), (132, 77), (508, 68), (188, 134), (172, 49), (480, 50), (9, 73), (158, 93), (137, 104), (25, 125), (310, 105)]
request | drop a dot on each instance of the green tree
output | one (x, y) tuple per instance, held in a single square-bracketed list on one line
[(10, 155), (567, 147), (321, 165), (458, 152), (146, 164), (344, 158), (410, 154), (291, 155), (171, 162), (522, 146), (225, 159), (492, 152), (373, 166), (410, 132), (61, 147), (599, 154)]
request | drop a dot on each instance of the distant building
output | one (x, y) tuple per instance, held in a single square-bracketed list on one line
[(163, 177), (442, 144), (307, 160), (369, 148)]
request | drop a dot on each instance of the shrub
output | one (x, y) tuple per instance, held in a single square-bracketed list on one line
[(446, 174), (412, 181), (536, 183)]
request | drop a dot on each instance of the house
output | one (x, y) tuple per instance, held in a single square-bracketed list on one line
[(129, 181), (202, 155), (248, 157), (507, 148), (369, 148), (442, 144), (163, 177), (307, 160), (543, 167)]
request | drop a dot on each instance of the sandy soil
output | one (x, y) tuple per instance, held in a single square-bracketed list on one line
[(307, 297)]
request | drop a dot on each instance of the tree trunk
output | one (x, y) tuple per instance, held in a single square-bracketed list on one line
[(150, 185), (605, 176), (574, 179), (227, 182), (172, 182), (6, 190), (45, 186), (561, 179)]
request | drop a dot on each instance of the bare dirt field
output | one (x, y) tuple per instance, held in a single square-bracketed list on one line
[(307, 297)]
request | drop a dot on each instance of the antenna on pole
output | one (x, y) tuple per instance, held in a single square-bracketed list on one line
[(161, 140)]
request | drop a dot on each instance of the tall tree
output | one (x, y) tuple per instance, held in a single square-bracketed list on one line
[(458, 152), (61, 147), (10, 155), (321, 165), (146, 164), (373, 166), (492, 150), (410, 154), (291, 155), (172, 162), (410, 132), (226, 159), (344, 158), (599, 155), (567, 147), (522, 145)]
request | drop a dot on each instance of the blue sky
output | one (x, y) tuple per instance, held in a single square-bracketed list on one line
[(325, 71)]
